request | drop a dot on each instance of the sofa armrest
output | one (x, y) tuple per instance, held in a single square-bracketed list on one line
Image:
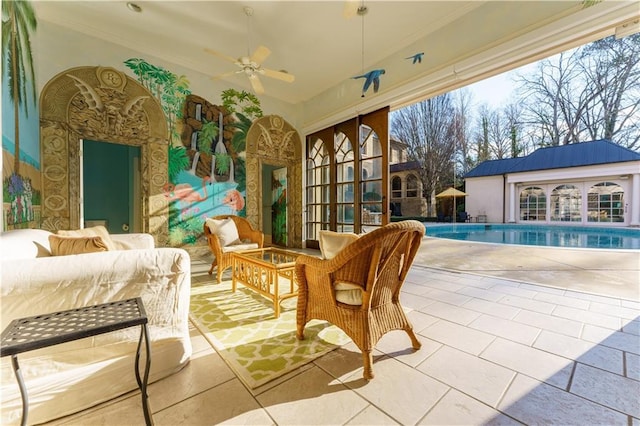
[(133, 241)]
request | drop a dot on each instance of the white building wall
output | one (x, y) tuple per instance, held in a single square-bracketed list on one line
[(485, 197), (491, 195)]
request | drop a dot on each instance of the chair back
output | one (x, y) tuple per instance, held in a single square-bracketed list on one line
[(378, 261)]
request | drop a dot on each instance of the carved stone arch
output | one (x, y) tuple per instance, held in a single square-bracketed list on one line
[(271, 140), (101, 104)]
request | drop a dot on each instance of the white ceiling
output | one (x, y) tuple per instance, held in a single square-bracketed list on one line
[(312, 40)]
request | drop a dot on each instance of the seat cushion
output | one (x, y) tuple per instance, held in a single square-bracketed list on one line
[(349, 294), (331, 243), (225, 229), (239, 247), (24, 244)]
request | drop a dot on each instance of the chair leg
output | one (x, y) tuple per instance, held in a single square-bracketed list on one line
[(367, 358), (415, 343), (213, 265), (219, 275), (300, 332)]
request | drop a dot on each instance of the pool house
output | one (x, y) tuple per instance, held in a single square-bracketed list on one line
[(589, 183)]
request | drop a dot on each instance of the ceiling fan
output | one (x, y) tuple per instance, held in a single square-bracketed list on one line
[(251, 65)]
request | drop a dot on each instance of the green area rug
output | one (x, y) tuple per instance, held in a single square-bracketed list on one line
[(242, 328)]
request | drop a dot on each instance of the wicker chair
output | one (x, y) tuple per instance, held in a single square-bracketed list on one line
[(222, 255), (375, 266)]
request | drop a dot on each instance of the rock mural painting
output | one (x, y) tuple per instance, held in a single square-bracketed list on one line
[(213, 179)]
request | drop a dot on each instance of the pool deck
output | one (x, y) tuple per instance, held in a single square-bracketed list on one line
[(596, 271)]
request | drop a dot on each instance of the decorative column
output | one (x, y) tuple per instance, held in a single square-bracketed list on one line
[(635, 200), (512, 202)]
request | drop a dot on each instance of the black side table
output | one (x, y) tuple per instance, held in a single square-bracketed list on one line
[(40, 331)]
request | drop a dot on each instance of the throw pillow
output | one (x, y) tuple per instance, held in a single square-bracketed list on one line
[(331, 243), (94, 231), (225, 229), (64, 246)]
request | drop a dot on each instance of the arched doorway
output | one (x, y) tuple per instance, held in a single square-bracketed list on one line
[(271, 141), (101, 104)]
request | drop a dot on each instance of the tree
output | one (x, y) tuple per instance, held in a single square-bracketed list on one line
[(462, 130), (590, 93), (428, 128), (18, 20)]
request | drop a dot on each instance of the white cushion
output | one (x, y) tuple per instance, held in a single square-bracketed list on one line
[(331, 243), (24, 244), (240, 247), (225, 229), (348, 293)]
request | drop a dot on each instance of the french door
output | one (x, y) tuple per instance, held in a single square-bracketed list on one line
[(347, 176)]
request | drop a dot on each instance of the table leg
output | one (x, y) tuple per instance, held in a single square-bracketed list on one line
[(23, 389), (142, 383)]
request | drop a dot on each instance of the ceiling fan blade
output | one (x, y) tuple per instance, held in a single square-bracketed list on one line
[(260, 54), (226, 74), (289, 78), (221, 55), (256, 84)]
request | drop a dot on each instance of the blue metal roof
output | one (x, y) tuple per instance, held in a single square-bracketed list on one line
[(601, 151), (399, 167)]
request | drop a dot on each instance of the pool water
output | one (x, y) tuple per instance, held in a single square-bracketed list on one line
[(537, 235)]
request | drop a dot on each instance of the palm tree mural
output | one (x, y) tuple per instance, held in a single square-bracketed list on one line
[(18, 20)]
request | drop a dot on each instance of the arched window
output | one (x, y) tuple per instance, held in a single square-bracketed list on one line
[(533, 204), (605, 203), (412, 186), (566, 204), (344, 182), (396, 187), (317, 188)]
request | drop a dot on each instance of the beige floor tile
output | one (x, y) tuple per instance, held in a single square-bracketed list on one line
[(608, 389), (450, 312), (444, 285), (205, 370), (312, 397), (448, 297), (420, 320), (618, 311), (513, 290), (125, 410), (457, 408), (580, 350), (481, 379), (403, 393), (588, 317), (459, 337), (344, 362), (482, 294), (510, 330), (412, 301), (632, 363), (491, 308), (631, 327), (549, 322), (613, 339), (561, 299), (534, 402), (529, 304), (552, 369), (229, 403), (371, 416), (398, 345)]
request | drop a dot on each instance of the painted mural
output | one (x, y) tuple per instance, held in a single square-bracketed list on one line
[(279, 206), (206, 167), (21, 190)]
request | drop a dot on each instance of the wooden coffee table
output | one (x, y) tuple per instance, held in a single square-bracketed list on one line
[(265, 270)]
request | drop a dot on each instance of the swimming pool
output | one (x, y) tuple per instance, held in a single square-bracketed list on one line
[(538, 235)]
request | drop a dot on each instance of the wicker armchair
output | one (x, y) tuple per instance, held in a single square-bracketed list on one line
[(249, 239), (374, 267)]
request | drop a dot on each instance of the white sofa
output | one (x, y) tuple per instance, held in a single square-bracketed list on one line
[(70, 377)]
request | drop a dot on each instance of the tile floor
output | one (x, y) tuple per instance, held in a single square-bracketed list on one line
[(495, 351)]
